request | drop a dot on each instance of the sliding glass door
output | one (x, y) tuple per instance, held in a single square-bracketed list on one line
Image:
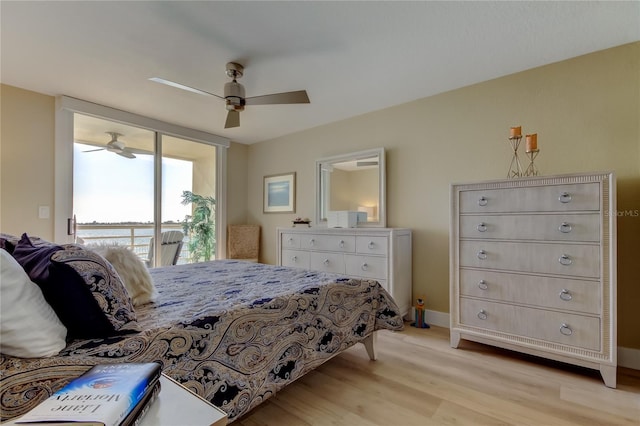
[(133, 186)]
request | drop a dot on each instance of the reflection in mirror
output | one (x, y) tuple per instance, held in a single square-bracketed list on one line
[(354, 182)]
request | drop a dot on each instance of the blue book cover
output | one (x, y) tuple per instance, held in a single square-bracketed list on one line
[(104, 395)]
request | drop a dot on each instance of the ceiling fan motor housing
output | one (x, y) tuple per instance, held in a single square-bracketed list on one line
[(234, 95)]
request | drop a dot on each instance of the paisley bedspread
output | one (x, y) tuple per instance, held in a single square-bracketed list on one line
[(233, 332)]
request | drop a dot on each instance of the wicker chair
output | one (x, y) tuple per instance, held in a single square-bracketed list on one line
[(243, 242)]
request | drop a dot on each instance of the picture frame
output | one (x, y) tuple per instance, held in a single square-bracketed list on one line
[(279, 193)]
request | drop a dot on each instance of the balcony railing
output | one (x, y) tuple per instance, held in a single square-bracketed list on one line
[(136, 236)]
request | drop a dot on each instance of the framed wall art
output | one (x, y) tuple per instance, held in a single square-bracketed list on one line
[(279, 193)]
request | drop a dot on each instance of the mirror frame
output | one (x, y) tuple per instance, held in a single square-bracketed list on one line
[(382, 184)]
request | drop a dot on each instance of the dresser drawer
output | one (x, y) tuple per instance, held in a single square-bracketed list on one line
[(558, 327), (545, 227), (372, 245), (550, 198), (579, 260), (327, 262), (290, 241), (297, 258), (558, 293), (338, 243), (366, 266)]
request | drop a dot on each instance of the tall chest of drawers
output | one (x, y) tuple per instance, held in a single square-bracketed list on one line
[(381, 254), (533, 267)]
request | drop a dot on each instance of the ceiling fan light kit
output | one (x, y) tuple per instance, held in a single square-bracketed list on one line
[(234, 95)]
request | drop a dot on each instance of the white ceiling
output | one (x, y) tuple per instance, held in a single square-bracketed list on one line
[(351, 57)]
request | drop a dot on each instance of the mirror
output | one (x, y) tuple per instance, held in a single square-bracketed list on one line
[(354, 182)]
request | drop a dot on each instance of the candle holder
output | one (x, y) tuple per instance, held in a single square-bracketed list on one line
[(532, 170), (515, 168)]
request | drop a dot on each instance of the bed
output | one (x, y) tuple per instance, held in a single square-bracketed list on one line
[(233, 332)]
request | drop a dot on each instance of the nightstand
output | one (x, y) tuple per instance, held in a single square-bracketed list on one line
[(176, 405)]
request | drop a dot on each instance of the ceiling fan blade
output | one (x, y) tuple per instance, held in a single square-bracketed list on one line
[(183, 87), (297, 97), (138, 151), (126, 154), (94, 150), (233, 120)]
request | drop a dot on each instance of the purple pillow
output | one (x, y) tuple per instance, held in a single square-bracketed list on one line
[(88, 295), (35, 258)]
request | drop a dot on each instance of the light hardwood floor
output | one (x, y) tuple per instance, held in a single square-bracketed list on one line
[(419, 379)]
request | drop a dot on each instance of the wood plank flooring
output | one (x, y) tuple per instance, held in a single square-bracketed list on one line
[(419, 379)]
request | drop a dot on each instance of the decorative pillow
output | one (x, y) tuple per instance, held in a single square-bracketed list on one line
[(35, 258), (8, 242), (29, 328), (132, 270), (88, 295)]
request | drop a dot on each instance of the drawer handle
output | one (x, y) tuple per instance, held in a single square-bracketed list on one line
[(483, 201), (341, 243), (482, 255), (565, 295), (482, 314), (290, 240), (371, 245), (565, 260), (294, 259), (482, 285), (564, 198), (566, 330), (365, 267), (326, 261), (565, 228), (312, 242), (482, 227)]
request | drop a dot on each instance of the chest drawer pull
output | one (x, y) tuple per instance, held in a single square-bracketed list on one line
[(371, 245), (365, 266), (482, 285), (326, 261), (483, 201), (341, 243), (312, 242), (565, 228), (566, 330), (294, 258), (564, 198), (290, 240), (482, 255), (565, 295), (565, 260), (482, 227), (483, 315)]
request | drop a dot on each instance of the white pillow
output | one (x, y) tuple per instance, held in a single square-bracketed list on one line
[(29, 328)]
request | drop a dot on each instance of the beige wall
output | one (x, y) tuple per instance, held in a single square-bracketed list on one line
[(586, 112), (26, 161)]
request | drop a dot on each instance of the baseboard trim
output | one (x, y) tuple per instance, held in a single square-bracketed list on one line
[(627, 357)]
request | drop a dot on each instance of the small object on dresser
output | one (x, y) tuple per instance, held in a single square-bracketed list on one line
[(107, 394), (301, 221)]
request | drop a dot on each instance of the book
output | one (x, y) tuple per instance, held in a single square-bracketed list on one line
[(135, 416), (105, 395)]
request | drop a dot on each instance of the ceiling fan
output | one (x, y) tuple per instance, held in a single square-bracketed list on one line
[(235, 98), (119, 147)]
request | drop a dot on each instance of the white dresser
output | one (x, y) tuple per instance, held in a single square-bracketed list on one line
[(382, 254), (533, 267)]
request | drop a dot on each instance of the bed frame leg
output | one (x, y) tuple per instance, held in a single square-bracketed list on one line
[(370, 345)]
